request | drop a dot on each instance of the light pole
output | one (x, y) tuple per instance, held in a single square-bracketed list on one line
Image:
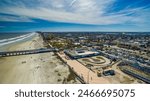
[(88, 74)]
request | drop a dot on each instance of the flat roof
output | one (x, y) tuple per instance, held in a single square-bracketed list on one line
[(87, 53), (80, 53)]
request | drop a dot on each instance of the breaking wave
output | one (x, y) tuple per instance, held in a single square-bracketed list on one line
[(16, 39)]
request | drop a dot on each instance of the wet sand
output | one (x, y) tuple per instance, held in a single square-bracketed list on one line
[(43, 68)]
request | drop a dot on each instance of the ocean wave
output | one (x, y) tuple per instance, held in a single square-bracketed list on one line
[(16, 39), (10, 39)]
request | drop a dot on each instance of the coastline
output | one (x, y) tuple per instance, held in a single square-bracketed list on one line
[(43, 68), (15, 41)]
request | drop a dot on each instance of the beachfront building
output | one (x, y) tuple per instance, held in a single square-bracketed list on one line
[(80, 53)]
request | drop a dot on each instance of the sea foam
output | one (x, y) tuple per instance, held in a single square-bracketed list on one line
[(16, 39)]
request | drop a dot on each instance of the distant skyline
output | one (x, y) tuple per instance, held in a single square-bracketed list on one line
[(75, 15)]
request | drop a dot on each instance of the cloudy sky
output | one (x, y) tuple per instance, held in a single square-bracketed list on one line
[(74, 15)]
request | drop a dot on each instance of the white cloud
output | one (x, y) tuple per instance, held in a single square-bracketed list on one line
[(14, 18), (72, 2), (71, 11)]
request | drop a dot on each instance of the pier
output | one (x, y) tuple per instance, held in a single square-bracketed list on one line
[(27, 52)]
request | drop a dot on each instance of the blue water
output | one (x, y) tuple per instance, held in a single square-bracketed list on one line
[(9, 39), (10, 35)]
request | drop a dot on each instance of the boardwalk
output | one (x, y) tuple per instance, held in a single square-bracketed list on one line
[(86, 74), (26, 52)]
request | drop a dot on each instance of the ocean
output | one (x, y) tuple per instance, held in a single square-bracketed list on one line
[(9, 39)]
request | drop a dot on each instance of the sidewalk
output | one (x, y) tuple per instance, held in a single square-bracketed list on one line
[(88, 76)]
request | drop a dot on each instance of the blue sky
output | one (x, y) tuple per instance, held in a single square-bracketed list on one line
[(74, 15)]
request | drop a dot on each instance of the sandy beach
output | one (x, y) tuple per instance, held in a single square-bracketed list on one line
[(43, 68)]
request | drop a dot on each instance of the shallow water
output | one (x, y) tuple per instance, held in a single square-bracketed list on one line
[(10, 41)]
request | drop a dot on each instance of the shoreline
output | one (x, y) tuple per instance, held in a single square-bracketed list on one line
[(43, 68), (20, 41)]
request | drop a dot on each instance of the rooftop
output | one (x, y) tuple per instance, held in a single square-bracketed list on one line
[(81, 53)]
